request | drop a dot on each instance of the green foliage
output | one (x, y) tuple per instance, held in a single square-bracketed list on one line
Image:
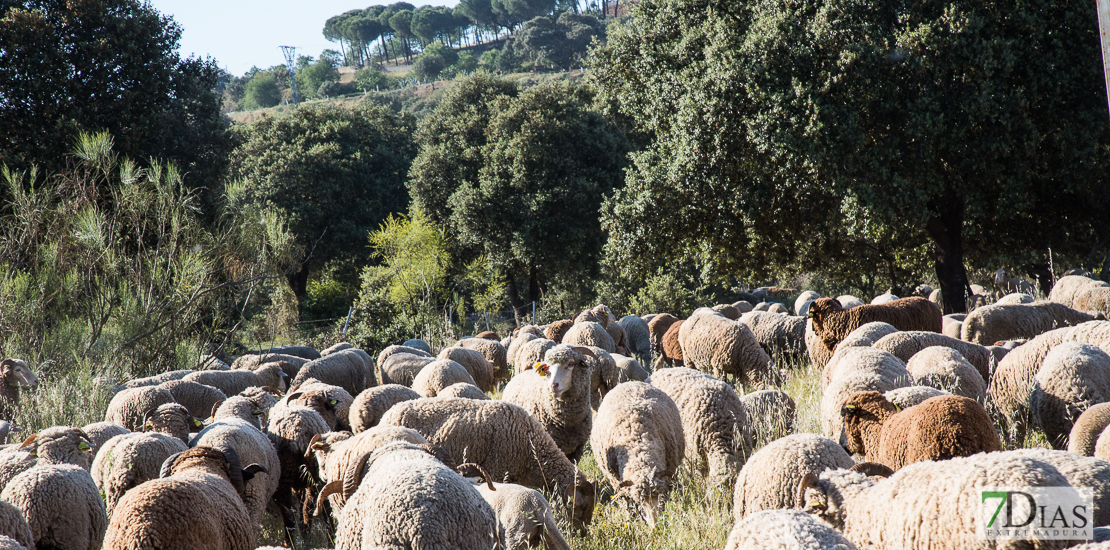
[(72, 67), (434, 60), (261, 91), (465, 64), (328, 89), (515, 12), (920, 121), (557, 44), (333, 173), (369, 78), (314, 74)]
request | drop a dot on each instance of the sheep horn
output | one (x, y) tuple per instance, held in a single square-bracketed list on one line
[(308, 452), (353, 476), (7, 364), (272, 390), (808, 482), (329, 489), (29, 441), (585, 351), (167, 465), (234, 470), (872, 469), (216, 406), (441, 454), (471, 469), (292, 396)]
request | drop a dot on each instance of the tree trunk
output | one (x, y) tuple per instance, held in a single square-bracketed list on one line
[(946, 229), (298, 281), (533, 285), (514, 297)]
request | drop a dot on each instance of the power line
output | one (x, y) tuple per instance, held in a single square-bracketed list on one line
[(290, 58)]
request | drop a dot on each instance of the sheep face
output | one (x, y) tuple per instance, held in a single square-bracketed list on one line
[(825, 497), (580, 499), (561, 361), (822, 307), (17, 373), (646, 494), (1001, 276), (864, 414)]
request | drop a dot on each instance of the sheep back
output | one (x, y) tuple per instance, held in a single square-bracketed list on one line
[(712, 343), (833, 322), (1012, 381), (128, 460), (474, 362), (991, 324), (196, 397), (14, 526), (671, 348), (62, 506), (100, 432), (1073, 377), (462, 389), (775, 332), (402, 368), (769, 479), (945, 369), (589, 333), (785, 530), (866, 335), (253, 447), (657, 327), (879, 373), (771, 414), (370, 405), (909, 396), (492, 350), (639, 336), (1068, 287), (906, 344), (438, 375), (130, 407), (1087, 429), (532, 352), (350, 369)]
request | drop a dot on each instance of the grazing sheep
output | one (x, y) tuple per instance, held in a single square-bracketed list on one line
[(532, 352), (924, 506), (800, 301), (474, 362), (853, 359), (1008, 284), (238, 407), (991, 324), (513, 347), (1068, 287), (196, 397), (340, 346), (14, 374), (906, 344), (1012, 382), (202, 484), (945, 369), (291, 430), (341, 459), (253, 447), (657, 327), (639, 337), (1095, 298), (590, 333), (337, 402), (1087, 429), (100, 432), (1080, 471), (819, 355), (57, 496), (953, 327), (231, 382), (505, 440), (778, 308), (370, 405), (712, 343), (785, 530), (126, 461), (493, 351), (771, 414), (714, 421), (263, 398), (418, 344), (350, 369), (743, 306), (462, 389), (1016, 298), (290, 364), (524, 517), (1073, 377), (402, 368), (728, 311), (408, 498), (390, 350), (833, 322), (627, 369), (671, 348), (769, 479), (774, 332), (13, 526), (130, 407), (558, 397), (438, 375), (864, 369), (906, 397), (639, 444), (866, 335), (939, 428)]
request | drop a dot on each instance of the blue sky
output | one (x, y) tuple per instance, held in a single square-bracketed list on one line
[(243, 33)]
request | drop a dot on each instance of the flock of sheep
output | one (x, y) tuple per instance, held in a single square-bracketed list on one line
[(407, 450)]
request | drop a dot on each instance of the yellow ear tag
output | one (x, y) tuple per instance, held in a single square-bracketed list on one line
[(82, 446), (198, 423), (257, 412), (333, 402), (541, 368)]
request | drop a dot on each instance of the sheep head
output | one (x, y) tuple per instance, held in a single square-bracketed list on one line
[(646, 493), (821, 308), (561, 361), (16, 373), (579, 499), (173, 419), (828, 496), (60, 445), (864, 414), (214, 459)]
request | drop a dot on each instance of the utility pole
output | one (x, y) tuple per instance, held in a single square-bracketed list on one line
[(290, 60)]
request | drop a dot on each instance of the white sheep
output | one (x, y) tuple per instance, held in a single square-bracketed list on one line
[(769, 479), (558, 397), (785, 530), (945, 369), (524, 517), (1073, 377)]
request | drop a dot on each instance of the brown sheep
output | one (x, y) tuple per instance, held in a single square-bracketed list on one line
[(489, 335), (941, 427), (672, 350), (555, 331), (832, 322), (657, 327)]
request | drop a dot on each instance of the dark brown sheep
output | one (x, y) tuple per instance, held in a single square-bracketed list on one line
[(555, 331), (489, 335), (939, 428), (832, 322), (672, 350), (658, 327)]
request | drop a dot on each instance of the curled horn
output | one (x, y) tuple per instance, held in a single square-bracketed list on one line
[(809, 481), (272, 390), (471, 469), (353, 476), (292, 396), (167, 465), (441, 454), (7, 364), (234, 469), (308, 452), (329, 489), (872, 469), (585, 351), (216, 406)]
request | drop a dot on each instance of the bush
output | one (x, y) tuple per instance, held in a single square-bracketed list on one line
[(328, 89), (369, 79), (262, 91)]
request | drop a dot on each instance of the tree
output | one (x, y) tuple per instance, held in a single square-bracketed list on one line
[(433, 60), (312, 74), (261, 91), (333, 173), (505, 171), (976, 126), (111, 65)]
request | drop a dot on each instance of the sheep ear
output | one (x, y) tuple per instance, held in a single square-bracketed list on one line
[(809, 481), (328, 490), (6, 366), (250, 471)]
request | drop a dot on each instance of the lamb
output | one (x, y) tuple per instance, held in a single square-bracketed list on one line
[(370, 405), (774, 332), (419, 344), (712, 343), (904, 398), (1073, 377), (906, 344), (863, 369), (14, 374), (1067, 288), (771, 414), (231, 382), (558, 396), (657, 327), (945, 369), (1087, 429), (291, 430), (638, 442), (402, 368), (254, 447), (1008, 284), (714, 421), (462, 389), (991, 324), (769, 480), (438, 375), (939, 428), (639, 337), (927, 505), (130, 407), (100, 432), (58, 497), (407, 496), (590, 334), (832, 322), (492, 350), (1012, 382), (201, 478), (505, 441), (350, 369), (785, 530), (14, 527), (194, 396), (532, 352), (524, 517)]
